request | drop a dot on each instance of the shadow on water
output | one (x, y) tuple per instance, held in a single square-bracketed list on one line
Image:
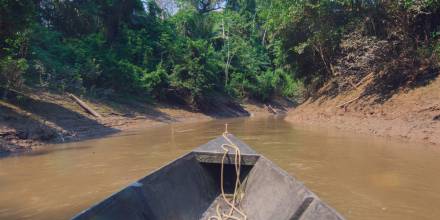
[(57, 148), (45, 151)]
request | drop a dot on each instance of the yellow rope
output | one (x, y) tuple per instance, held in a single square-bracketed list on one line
[(235, 198)]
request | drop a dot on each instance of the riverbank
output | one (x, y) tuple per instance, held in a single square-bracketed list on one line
[(36, 117), (411, 114)]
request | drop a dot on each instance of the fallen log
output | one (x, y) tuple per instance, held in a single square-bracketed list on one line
[(85, 106)]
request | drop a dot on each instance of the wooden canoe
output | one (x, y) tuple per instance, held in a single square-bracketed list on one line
[(189, 188)]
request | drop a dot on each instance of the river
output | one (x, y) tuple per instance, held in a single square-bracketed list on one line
[(362, 177)]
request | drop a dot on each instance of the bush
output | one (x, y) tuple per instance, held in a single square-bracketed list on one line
[(155, 82), (11, 73), (197, 71)]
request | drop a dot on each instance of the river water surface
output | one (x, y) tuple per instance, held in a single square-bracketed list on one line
[(362, 177)]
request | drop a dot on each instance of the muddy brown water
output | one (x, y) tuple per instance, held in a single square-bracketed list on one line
[(362, 177)]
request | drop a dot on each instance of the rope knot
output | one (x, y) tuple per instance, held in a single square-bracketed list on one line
[(226, 129)]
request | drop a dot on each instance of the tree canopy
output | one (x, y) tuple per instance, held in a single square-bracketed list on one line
[(193, 49)]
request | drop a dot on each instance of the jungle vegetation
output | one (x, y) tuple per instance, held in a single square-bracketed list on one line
[(192, 50)]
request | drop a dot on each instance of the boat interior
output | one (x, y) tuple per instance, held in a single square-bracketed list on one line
[(190, 188)]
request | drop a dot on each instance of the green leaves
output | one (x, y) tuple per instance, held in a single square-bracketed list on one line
[(132, 47), (153, 82), (11, 71), (300, 47), (197, 71)]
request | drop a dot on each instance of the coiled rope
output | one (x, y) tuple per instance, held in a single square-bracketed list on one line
[(235, 197)]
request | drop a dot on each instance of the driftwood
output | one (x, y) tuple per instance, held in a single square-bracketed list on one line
[(6, 91), (364, 79), (348, 102), (85, 106), (367, 77), (270, 109)]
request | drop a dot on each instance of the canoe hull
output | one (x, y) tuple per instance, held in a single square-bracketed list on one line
[(189, 187)]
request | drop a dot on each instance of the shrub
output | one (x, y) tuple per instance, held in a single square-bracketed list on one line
[(11, 73)]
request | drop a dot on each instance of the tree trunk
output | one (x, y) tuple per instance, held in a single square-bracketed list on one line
[(228, 57), (5, 93), (321, 53), (223, 29), (228, 61), (264, 37)]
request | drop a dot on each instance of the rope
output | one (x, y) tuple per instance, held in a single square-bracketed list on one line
[(235, 197)]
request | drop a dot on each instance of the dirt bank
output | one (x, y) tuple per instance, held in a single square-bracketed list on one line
[(410, 114), (38, 117), (380, 87)]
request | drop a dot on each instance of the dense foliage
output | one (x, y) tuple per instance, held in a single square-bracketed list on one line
[(134, 47), (194, 49), (310, 32)]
